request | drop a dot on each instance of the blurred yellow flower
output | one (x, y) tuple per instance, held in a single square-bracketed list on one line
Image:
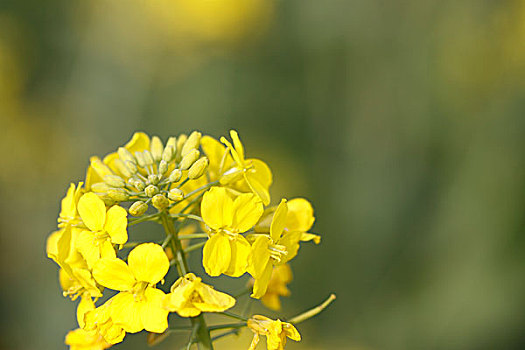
[(276, 332), (281, 276), (80, 339), (189, 297)]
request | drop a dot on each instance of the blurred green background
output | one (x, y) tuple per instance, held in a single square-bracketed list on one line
[(402, 121)]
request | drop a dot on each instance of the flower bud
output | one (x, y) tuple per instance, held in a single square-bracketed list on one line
[(168, 154), (138, 208), (139, 185), (141, 160), (172, 141), (132, 166), (189, 159), (148, 157), (126, 155), (151, 190), (153, 179), (118, 194), (175, 175), (198, 168), (156, 148), (160, 202), (122, 168), (114, 181), (176, 194), (163, 167), (100, 187), (181, 140), (191, 143)]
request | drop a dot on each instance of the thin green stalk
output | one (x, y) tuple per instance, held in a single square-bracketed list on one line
[(203, 335), (187, 216), (226, 326), (194, 247), (222, 335), (312, 312), (143, 218), (232, 315), (193, 235)]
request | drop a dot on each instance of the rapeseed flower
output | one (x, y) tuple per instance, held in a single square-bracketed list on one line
[(190, 296), (276, 332), (227, 251), (281, 276), (80, 339)]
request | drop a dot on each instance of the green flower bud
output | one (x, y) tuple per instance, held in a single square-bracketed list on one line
[(198, 168), (181, 140), (122, 168), (156, 148), (151, 190), (114, 181), (139, 185), (126, 155), (189, 159), (160, 201), (163, 167), (118, 194), (175, 175), (176, 194), (172, 141), (153, 179), (148, 157), (132, 166), (191, 143), (168, 154), (138, 208)]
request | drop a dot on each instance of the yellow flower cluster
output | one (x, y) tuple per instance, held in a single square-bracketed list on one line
[(187, 184)]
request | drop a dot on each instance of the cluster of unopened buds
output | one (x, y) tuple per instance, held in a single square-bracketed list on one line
[(208, 198)]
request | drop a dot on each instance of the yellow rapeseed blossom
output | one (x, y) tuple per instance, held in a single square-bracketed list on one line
[(227, 251), (276, 332), (255, 173), (99, 320), (281, 276), (189, 297), (139, 305), (270, 250), (80, 339), (105, 228), (68, 208)]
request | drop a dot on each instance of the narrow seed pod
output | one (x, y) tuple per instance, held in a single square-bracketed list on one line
[(168, 154), (153, 179), (160, 201), (138, 208), (189, 159), (191, 143), (140, 159), (122, 168), (126, 155), (148, 157), (163, 167), (114, 181), (175, 175), (176, 194), (118, 194), (151, 190), (156, 148), (198, 168), (100, 187)]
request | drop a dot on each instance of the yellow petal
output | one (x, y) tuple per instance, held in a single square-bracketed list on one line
[(291, 241), (139, 142), (259, 256), (88, 248), (116, 223), (154, 316), (92, 211), (126, 312), (86, 304), (217, 208), (306, 237), (114, 274), (279, 220), (261, 172), (86, 280), (216, 254), (247, 209), (100, 168), (220, 159), (240, 251), (300, 215), (148, 262), (212, 300), (257, 187), (68, 207), (291, 332), (237, 143), (261, 281), (236, 156), (179, 295)]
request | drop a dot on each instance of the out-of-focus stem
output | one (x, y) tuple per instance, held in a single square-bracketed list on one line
[(312, 312)]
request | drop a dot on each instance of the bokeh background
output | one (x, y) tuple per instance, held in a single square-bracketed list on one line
[(403, 121)]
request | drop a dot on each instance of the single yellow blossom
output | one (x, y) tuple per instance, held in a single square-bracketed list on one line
[(276, 332), (139, 305), (270, 250), (68, 207), (105, 228), (227, 251), (189, 297), (80, 339), (255, 173), (99, 320)]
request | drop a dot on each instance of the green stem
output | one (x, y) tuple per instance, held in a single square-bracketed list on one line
[(193, 235), (143, 218), (203, 335), (194, 247), (232, 315), (227, 325), (222, 335), (187, 216)]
